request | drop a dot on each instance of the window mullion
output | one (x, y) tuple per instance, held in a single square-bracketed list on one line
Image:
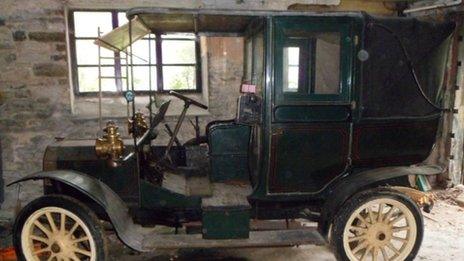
[(159, 63)]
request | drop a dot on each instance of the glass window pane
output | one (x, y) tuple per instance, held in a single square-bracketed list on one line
[(122, 19), (141, 78), (88, 79), (86, 23), (87, 53), (291, 67), (178, 52), (141, 52), (179, 78), (327, 78)]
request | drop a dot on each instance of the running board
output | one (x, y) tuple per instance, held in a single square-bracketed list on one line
[(257, 239)]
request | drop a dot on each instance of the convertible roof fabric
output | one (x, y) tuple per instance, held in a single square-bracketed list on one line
[(388, 86)]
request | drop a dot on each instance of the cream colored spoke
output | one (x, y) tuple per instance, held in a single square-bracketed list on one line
[(63, 222), (366, 253), (41, 227), (392, 247), (82, 239), (384, 254), (73, 257), (40, 239), (357, 238), (389, 213), (359, 229), (362, 219), (359, 247), (371, 215), (42, 250), (404, 240), (73, 229), (81, 251), (398, 218), (398, 229), (51, 257), (379, 217), (51, 221), (375, 253)]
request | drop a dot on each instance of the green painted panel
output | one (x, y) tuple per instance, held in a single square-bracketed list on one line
[(307, 157), (155, 197), (311, 113), (82, 158), (228, 145), (226, 223)]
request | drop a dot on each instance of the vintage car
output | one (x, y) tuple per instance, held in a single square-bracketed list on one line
[(337, 116)]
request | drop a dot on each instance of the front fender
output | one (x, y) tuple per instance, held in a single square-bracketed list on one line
[(351, 184), (114, 206)]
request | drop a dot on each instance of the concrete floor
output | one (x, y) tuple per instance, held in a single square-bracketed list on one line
[(443, 240)]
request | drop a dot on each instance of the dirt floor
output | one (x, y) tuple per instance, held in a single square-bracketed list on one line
[(443, 240)]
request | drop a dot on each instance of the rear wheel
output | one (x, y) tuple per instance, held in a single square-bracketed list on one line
[(58, 228), (379, 224)]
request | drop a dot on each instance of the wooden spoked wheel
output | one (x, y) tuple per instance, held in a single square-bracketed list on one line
[(381, 229), (57, 234)]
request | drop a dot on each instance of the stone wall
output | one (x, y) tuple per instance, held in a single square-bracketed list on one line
[(34, 105), (35, 102)]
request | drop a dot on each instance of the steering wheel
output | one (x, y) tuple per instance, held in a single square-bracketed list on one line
[(188, 100)]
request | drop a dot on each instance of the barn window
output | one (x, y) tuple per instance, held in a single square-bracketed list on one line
[(161, 62)]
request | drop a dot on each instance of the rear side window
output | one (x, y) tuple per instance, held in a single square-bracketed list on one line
[(312, 60), (311, 64)]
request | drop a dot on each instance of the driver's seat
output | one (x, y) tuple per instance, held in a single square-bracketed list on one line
[(229, 142)]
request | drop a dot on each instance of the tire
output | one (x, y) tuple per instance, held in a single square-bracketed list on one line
[(359, 233), (42, 241)]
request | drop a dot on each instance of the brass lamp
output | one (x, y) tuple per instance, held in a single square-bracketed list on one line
[(110, 146)]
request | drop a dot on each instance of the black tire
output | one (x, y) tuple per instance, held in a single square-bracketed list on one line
[(356, 201), (68, 203)]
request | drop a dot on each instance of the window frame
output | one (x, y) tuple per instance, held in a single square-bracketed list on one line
[(158, 86), (295, 27)]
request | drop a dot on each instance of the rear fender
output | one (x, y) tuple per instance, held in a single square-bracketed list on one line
[(351, 184), (103, 195)]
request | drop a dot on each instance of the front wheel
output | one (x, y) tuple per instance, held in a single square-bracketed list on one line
[(58, 228), (378, 224)]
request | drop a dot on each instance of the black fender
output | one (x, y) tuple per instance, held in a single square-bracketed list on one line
[(115, 208), (347, 186)]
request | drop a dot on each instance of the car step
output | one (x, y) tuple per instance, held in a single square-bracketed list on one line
[(277, 238)]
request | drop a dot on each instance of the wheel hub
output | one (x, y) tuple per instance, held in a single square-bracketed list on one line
[(379, 234), (55, 248)]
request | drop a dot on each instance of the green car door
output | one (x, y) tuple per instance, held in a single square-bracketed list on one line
[(311, 109)]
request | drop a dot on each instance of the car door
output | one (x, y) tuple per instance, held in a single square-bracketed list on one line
[(311, 109)]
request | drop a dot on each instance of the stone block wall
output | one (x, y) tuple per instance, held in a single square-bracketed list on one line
[(34, 90), (35, 101)]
